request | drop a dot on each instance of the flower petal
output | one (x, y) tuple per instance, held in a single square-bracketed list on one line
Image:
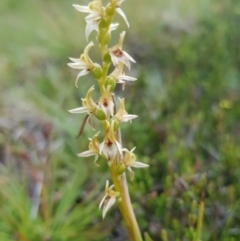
[(109, 204), (93, 16), (83, 9), (82, 73), (139, 164), (77, 65), (128, 78), (114, 59), (120, 12), (127, 118), (79, 110), (91, 25), (129, 57), (87, 153), (102, 201), (113, 26)]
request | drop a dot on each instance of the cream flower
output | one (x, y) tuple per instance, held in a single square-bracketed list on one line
[(122, 115), (128, 161), (117, 4), (119, 76), (84, 63), (96, 12), (93, 149), (109, 199), (110, 146), (120, 56), (106, 102), (89, 106)]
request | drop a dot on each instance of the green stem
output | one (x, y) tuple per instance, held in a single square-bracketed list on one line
[(125, 204)]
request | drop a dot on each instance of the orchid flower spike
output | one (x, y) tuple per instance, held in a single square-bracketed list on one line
[(93, 149), (122, 115), (84, 63), (120, 56), (109, 199), (110, 146)]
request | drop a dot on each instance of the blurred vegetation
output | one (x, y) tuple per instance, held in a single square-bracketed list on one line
[(188, 130)]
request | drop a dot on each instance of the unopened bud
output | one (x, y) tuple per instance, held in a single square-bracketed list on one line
[(107, 58), (116, 125), (96, 72), (110, 10), (100, 115), (121, 169), (111, 82)]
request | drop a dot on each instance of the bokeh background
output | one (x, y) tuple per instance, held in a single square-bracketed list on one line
[(187, 98)]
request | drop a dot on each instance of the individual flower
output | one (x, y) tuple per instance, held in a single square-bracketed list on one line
[(96, 12), (109, 199), (116, 4), (120, 56), (122, 115), (84, 63), (106, 102), (128, 161), (90, 107), (119, 76), (93, 149), (110, 147)]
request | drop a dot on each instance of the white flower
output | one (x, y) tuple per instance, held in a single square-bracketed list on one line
[(119, 76), (122, 115), (128, 161), (120, 56), (89, 107), (106, 102), (109, 199), (93, 149), (96, 11), (84, 63), (110, 146)]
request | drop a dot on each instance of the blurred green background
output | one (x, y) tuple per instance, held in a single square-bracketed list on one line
[(187, 98)]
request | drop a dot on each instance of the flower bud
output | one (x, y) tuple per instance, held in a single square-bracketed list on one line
[(116, 125), (111, 82), (120, 169), (100, 115), (107, 58), (96, 72), (110, 10)]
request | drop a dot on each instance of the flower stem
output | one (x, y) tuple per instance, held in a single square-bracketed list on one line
[(125, 204)]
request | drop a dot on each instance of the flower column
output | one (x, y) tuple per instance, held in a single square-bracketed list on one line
[(119, 159)]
